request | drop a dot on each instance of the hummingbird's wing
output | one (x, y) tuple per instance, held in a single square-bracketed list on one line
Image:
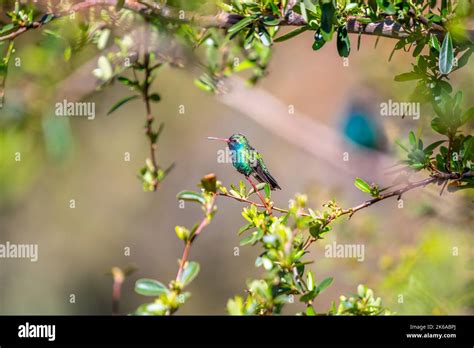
[(260, 171)]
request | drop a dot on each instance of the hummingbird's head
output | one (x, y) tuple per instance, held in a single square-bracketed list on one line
[(235, 141)]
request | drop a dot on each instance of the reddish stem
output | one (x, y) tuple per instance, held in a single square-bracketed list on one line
[(187, 247), (269, 210)]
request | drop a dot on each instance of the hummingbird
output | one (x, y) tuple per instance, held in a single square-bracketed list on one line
[(248, 161)]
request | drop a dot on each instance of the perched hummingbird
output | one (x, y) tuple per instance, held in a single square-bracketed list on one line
[(248, 161)]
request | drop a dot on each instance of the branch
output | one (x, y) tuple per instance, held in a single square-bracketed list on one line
[(386, 28), (150, 119), (118, 278), (205, 221), (437, 177)]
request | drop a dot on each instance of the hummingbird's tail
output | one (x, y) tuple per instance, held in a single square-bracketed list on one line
[(272, 182), (264, 176)]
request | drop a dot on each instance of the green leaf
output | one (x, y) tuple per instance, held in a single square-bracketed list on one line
[(291, 34), (126, 81), (253, 238), (419, 47), (467, 116), (445, 85), (103, 39), (204, 85), (324, 284), (310, 281), (119, 5), (362, 185), (468, 150), (409, 76), (387, 6), (270, 20), (310, 311), (464, 59), (241, 24), (191, 196), (412, 138), (430, 148), (121, 103), (247, 240), (245, 228), (328, 12), (150, 287), (264, 36), (155, 97), (401, 145), (267, 191), (318, 41), (235, 306), (183, 233), (315, 230), (190, 271), (446, 56), (351, 6), (67, 53), (434, 42), (309, 296), (343, 42), (154, 308), (259, 186), (6, 28)]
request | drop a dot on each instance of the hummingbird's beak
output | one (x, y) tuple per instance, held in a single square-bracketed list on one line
[(220, 139)]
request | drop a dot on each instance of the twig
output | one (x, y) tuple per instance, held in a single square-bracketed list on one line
[(204, 222), (118, 277), (386, 28), (443, 177), (259, 205), (150, 118), (3, 77), (435, 177)]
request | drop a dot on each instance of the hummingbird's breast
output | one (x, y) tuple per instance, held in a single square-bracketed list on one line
[(240, 160)]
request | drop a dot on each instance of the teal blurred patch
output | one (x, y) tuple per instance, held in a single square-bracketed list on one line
[(359, 127), (57, 137)]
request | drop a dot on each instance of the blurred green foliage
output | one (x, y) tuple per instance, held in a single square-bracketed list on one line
[(433, 276)]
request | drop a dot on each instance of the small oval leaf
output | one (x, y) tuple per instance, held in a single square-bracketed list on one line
[(190, 272), (150, 287), (362, 185), (191, 196)]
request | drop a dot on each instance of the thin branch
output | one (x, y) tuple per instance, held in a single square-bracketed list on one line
[(150, 118), (118, 279), (436, 177), (3, 76), (259, 205), (386, 28), (204, 222)]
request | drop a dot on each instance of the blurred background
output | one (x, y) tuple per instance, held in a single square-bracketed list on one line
[(409, 251)]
